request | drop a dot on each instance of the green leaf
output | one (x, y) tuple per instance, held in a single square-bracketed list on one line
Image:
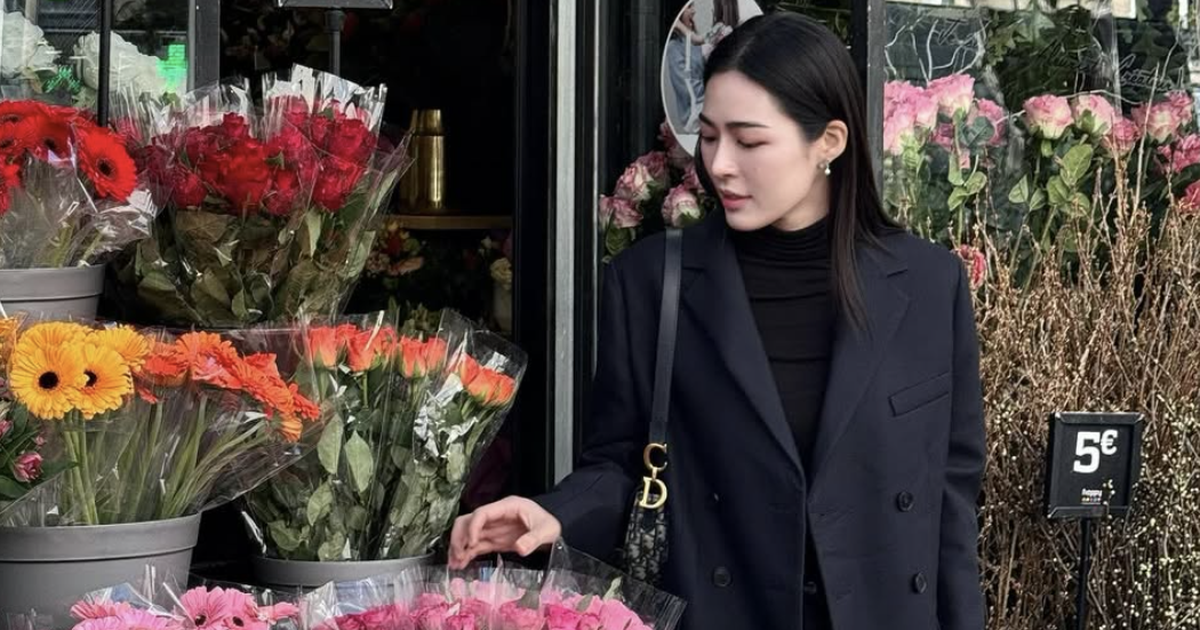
[(1038, 200), (311, 233), (1079, 205), (958, 197), (617, 239), (319, 503), (1060, 193), (978, 133), (329, 447), (358, 518), (285, 538), (331, 549), (1020, 193), (1068, 239), (1074, 165), (202, 229), (362, 463), (11, 490), (976, 183), (955, 175), (1047, 149)]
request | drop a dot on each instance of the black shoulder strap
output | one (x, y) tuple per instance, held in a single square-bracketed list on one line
[(667, 324)]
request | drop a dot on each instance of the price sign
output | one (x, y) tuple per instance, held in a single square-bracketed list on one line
[(1092, 464)]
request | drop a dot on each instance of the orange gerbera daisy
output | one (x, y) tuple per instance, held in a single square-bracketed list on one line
[(126, 341), (305, 408), (53, 335), (165, 365), (209, 358), (107, 163), (47, 379)]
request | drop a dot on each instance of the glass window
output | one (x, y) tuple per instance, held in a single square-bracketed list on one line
[(50, 49)]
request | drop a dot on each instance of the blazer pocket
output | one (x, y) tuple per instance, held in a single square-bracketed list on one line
[(921, 394)]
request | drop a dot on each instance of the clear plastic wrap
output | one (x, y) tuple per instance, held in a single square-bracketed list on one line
[(582, 592), (370, 381), (271, 212), (149, 425), (455, 423), (377, 603), (70, 192)]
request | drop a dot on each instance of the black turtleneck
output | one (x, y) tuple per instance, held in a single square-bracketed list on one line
[(789, 284), (787, 278)]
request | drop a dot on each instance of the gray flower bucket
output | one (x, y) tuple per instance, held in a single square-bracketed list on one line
[(44, 570), (289, 575), (67, 293)]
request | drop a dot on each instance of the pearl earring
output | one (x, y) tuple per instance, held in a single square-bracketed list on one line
[(825, 167)]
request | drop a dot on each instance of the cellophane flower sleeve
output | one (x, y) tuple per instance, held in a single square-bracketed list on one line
[(369, 380), (456, 420), (582, 592), (150, 425), (70, 191), (378, 603)]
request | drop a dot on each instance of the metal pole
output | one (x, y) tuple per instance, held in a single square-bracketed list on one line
[(335, 19), (103, 95), (1085, 561)]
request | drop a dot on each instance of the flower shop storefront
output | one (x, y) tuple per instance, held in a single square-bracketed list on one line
[(1055, 148)]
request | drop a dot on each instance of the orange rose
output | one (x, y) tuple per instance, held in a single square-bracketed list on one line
[(368, 347), (325, 346), (411, 356)]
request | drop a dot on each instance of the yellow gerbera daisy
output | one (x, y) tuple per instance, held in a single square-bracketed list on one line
[(53, 335), (108, 381), (8, 338), (47, 380), (127, 342)]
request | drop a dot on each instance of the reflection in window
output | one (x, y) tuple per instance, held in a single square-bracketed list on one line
[(50, 50)]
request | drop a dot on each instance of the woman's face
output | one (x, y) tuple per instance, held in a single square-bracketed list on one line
[(762, 166), (688, 17)]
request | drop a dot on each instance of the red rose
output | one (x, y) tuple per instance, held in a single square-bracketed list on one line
[(187, 191), (241, 174), (352, 140), (234, 126), (337, 179), (283, 196), (202, 144), (296, 152), (320, 127)]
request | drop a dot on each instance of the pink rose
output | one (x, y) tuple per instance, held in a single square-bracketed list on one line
[(1185, 153), (900, 129), (635, 183), (995, 114), (560, 617), (5, 427), (620, 212), (896, 92), (1183, 105), (954, 94), (614, 614), (1123, 138), (681, 208), (921, 103), (514, 617), (976, 263), (27, 467), (667, 136), (1048, 116), (1190, 204), (656, 164), (1094, 114), (1159, 122), (461, 622)]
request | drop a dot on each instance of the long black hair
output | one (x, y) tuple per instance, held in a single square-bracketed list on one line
[(809, 73)]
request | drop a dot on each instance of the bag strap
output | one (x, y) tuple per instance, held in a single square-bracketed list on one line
[(667, 324)]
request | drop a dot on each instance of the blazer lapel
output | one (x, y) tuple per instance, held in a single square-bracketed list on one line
[(857, 354), (716, 299)]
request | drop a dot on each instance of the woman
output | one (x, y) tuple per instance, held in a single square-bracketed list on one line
[(685, 71), (826, 434)]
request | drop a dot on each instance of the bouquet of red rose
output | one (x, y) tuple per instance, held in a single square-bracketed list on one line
[(271, 211), (70, 192)]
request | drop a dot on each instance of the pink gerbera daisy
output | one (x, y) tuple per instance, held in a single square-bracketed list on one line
[(205, 609), (143, 620), (103, 623), (98, 610)]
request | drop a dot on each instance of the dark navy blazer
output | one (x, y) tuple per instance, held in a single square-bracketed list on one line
[(892, 492)]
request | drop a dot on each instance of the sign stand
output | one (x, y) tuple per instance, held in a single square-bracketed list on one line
[(335, 19), (1092, 468)]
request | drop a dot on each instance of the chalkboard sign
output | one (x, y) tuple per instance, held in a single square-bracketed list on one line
[(1092, 464)]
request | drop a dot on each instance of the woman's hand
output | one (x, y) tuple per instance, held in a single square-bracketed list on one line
[(515, 524)]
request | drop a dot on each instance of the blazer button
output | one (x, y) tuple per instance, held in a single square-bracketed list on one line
[(904, 501), (721, 577), (919, 583), (810, 588)]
